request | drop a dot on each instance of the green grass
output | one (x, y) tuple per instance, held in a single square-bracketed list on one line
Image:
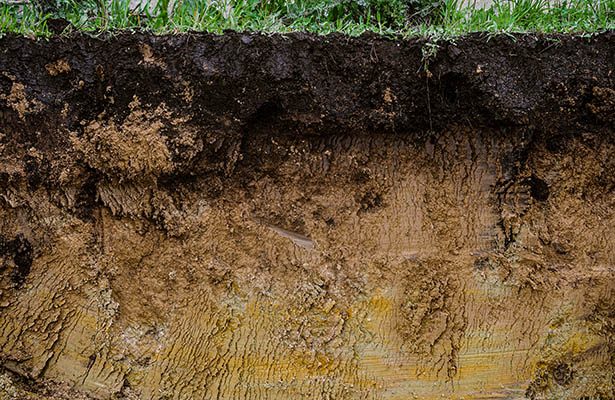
[(431, 18)]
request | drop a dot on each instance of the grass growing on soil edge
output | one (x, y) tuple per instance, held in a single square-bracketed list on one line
[(406, 18)]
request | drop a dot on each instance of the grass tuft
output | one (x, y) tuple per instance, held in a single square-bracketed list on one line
[(428, 18)]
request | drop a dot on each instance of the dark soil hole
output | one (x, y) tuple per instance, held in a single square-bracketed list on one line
[(267, 112), (85, 199), (539, 189), (17, 257)]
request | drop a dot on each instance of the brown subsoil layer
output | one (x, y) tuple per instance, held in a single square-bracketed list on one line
[(305, 217)]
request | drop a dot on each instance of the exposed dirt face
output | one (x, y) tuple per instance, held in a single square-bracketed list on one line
[(243, 216)]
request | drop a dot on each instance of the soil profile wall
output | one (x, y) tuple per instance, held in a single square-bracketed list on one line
[(295, 216)]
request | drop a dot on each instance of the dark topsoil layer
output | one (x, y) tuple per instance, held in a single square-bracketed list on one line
[(238, 89), (303, 84), (239, 85)]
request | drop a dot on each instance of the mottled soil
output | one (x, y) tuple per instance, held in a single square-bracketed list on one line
[(306, 217)]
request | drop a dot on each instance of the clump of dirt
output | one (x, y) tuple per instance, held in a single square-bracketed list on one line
[(114, 145), (16, 99), (57, 67)]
